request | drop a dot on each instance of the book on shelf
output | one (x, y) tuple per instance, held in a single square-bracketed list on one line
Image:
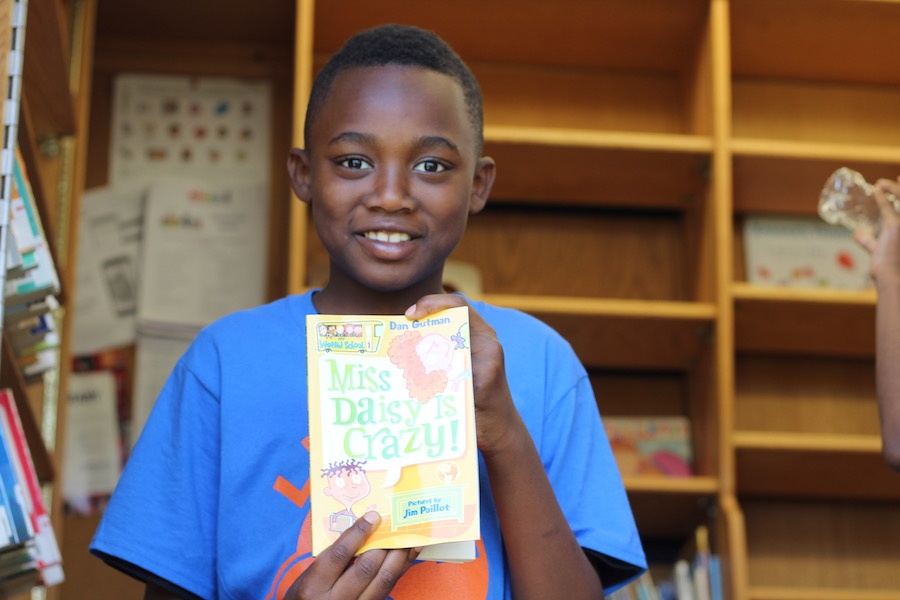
[(16, 316), (697, 569), (700, 564), (392, 429), (651, 445), (684, 581), (42, 544), (29, 332), (694, 573), (17, 527), (17, 264), (645, 587), (25, 225), (716, 589), (38, 363), (803, 252)]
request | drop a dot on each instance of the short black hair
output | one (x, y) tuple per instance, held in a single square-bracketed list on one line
[(405, 45)]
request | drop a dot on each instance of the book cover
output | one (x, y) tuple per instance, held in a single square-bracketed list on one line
[(803, 252), (392, 429), (651, 445)]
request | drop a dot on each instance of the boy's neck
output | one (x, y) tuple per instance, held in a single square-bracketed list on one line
[(358, 300)]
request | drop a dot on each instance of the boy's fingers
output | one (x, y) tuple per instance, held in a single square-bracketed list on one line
[(394, 564), (375, 573), (337, 557), (865, 240), (433, 303), (884, 189)]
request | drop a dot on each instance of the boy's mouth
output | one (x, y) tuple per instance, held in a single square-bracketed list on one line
[(393, 237)]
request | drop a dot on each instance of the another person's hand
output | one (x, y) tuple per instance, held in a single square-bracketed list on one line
[(338, 574), (495, 413), (885, 249)]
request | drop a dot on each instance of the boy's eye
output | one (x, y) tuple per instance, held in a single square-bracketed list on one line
[(430, 166), (355, 163)]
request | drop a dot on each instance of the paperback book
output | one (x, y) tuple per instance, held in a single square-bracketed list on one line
[(392, 429), (651, 445)]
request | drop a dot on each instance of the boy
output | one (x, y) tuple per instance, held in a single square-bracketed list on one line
[(214, 493)]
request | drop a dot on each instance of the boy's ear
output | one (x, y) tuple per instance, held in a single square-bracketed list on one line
[(299, 171), (481, 185)]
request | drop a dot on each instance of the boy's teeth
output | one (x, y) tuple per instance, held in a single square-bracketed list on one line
[(384, 236)]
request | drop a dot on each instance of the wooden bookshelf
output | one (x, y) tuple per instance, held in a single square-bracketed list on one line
[(52, 115)]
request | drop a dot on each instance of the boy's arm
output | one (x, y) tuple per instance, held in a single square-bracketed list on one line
[(885, 269), (545, 559)]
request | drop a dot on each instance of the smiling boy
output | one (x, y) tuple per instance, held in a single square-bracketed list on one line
[(212, 502)]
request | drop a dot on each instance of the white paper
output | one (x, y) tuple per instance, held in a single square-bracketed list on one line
[(155, 357), (204, 253), (217, 128), (92, 459), (109, 244)]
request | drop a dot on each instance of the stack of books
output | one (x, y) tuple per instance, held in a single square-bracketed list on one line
[(32, 281), (696, 574), (29, 553)]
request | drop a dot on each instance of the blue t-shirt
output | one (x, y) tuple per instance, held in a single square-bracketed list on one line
[(214, 498)]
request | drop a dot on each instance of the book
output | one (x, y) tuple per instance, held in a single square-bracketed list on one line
[(651, 445), (25, 224), (646, 588), (15, 315), (684, 581), (391, 417), (45, 549), (717, 591), (803, 252), (14, 504), (700, 564)]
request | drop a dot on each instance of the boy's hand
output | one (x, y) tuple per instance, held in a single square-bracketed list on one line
[(496, 419), (885, 249), (338, 574)]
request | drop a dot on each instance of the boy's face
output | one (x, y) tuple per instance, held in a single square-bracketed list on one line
[(391, 174)]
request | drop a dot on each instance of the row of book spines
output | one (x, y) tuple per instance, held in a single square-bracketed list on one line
[(687, 582), (30, 555), (696, 574), (32, 334), (32, 281)]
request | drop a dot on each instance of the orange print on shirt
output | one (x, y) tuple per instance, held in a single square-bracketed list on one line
[(426, 579)]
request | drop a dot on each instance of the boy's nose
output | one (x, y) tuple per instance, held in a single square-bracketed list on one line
[(392, 193)]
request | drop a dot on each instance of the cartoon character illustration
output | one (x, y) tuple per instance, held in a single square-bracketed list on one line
[(348, 484), (429, 363)]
